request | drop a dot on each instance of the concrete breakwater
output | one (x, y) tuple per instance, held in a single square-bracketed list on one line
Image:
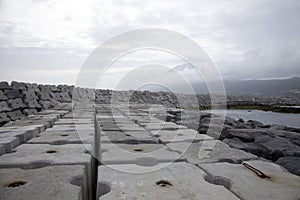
[(22, 99), (46, 155)]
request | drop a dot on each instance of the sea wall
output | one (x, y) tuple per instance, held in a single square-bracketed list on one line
[(20, 99)]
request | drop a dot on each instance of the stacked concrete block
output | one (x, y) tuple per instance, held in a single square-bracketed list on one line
[(48, 183), (210, 151), (31, 100), (35, 156), (176, 181), (256, 180)]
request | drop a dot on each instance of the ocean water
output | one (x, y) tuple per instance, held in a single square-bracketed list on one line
[(287, 119)]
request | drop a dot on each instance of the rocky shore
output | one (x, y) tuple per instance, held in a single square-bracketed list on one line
[(277, 143)]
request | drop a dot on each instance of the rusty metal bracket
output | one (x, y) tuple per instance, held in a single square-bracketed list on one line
[(259, 173)]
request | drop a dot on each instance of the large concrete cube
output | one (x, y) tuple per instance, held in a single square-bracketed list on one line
[(140, 154), (210, 151), (48, 183), (173, 182), (247, 185)]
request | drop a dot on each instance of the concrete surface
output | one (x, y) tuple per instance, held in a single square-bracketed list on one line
[(48, 183)]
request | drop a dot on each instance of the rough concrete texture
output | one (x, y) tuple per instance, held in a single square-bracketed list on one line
[(140, 154), (127, 137), (247, 185), (210, 151), (64, 137), (48, 183), (180, 135), (31, 155), (176, 181)]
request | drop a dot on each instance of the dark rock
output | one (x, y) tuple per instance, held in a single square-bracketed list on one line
[(32, 103), (46, 104), (12, 94), (280, 147), (2, 96), (241, 120), (3, 118), (4, 85), (65, 97), (254, 124), (29, 95), (16, 103), (292, 129), (28, 112), (56, 96), (4, 106), (18, 86), (241, 135), (32, 87), (292, 164), (15, 115), (253, 148)]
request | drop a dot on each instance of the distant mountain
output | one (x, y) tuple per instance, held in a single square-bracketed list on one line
[(271, 87)]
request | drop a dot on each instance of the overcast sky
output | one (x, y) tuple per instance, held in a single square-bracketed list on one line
[(47, 41)]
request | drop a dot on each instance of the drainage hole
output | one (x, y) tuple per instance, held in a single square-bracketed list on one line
[(138, 149), (51, 151), (64, 135), (17, 183), (164, 183)]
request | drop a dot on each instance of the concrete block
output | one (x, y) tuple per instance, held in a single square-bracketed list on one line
[(169, 126), (2, 149), (35, 129), (16, 103), (15, 115), (65, 97), (127, 137), (4, 106), (2, 96), (56, 96), (46, 104), (64, 137), (63, 106), (73, 127), (4, 85), (9, 143), (29, 95), (247, 185), (48, 183), (46, 120), (28, 112), (60, 112), (129, 127), (32, 103), (32, 87), (44, 96), (18, 86), (74, 121), (210, 151), (180, 135), (44, 88), (64, 88), (12, 94), (22, 135), (3, 118), (176, 181), (33, 155), (140, 154)]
